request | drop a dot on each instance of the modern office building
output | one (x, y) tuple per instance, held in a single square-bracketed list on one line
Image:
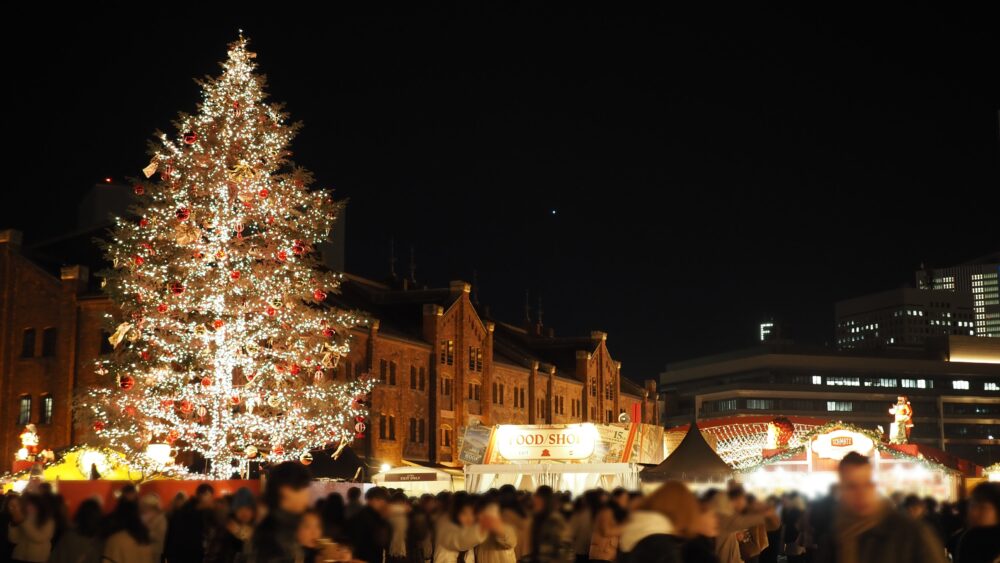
[(981, 278), (903, 317), (953, 384)]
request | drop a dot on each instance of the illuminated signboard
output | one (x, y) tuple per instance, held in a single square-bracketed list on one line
[(557, 442), (838, 443)]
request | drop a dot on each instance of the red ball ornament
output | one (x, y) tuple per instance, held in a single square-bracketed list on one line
[(235, 399), (172, 436), (217, 323), (177, 288), (162, 307), (143, 222), (270, 311), (295, 369), (183, 213), (206, 382), (235, 274), (138, 260), (298, 248), (145, 355), (167, 404), (263, 193), (282, 256), (190, 138), (187, 407), (198, 255), (138, 189), (270, 219), (278, 451), (328, 332), (129, 410), (318, 295), (98, 425), (250, 377), (306, 458), (126, 382)]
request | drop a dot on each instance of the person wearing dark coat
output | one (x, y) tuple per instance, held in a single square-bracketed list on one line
[(980, 543), (660, 524), (867, 529), (287, 498), (189, 527), (369, 529)]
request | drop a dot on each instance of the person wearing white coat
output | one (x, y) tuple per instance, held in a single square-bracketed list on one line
[(457, 534)]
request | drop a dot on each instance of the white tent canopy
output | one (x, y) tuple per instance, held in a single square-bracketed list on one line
[(414, 480), (573, 477)]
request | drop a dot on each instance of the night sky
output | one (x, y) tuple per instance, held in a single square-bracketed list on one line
[(668, 181)]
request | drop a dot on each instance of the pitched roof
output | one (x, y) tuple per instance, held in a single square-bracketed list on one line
[(693, 460)]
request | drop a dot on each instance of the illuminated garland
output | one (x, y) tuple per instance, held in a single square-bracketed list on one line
[(875, 436), (224, 344), (109, 453)]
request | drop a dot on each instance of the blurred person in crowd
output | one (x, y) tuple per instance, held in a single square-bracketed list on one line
[(513, 513), (914, 507), (127, 538), (700, 547), (286, 497), (189, 526), (232, 538), (6, 503), (607, 528), (308, 534), (550, 542), (398, 517), (736, 519), (774, 534), (369, 529), (81, 543), (501, 537), (354, 504), (179, 500), (333, 516), (581, 523), (155, 520), (819, 522), (31, 528), (980, 541), (458, 533), (867, 529), (656, 528)]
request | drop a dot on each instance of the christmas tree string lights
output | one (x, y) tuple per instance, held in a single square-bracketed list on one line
[(225, 344)]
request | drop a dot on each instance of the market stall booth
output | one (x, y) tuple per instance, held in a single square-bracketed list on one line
[(693, 461), (415, 481), (566, 457), (811, 467)]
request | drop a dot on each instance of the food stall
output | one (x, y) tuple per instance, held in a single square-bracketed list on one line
[(566, 457), (414, 480)]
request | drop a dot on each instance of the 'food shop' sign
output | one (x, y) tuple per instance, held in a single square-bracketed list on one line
[(558, 443)]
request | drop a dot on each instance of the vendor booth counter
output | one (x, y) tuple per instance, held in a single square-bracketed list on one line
[(573, 477)]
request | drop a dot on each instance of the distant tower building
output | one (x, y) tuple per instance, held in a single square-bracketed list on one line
[(904, 317), (978, 277)]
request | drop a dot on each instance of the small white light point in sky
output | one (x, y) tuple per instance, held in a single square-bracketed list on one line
[(553, 211)]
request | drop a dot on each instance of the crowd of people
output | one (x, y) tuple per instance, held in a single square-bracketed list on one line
[(672, 524)]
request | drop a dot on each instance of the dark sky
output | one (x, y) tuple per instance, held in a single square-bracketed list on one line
[(703, 175)]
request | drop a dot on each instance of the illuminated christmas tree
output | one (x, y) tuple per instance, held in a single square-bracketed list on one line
[(225, 344)]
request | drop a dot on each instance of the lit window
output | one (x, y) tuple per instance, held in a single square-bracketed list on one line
[(991, 386), (840, 406), (844, 381), (960, 384), (817, 380), (46, 409), (24, 410)]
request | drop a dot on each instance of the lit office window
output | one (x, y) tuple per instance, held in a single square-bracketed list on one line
[(840, 406), (844, 381), (960, 384), (991, 386), (817, 380)]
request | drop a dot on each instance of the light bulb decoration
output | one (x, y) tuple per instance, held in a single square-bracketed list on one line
[(222, 297)]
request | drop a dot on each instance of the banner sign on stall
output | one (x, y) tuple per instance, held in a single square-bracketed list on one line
[(409, 477), (475, 441), (556, 442), (838, 443)]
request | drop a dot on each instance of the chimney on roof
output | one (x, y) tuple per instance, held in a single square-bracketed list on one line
[(75, 278), (458, 287), (598, 336), (12, 238)]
